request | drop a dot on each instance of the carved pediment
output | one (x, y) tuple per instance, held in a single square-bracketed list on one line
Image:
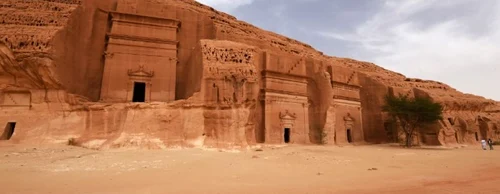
[(173, 59), (287, 115), (108, 54), (141, 72), (349, 121), (348, 117)]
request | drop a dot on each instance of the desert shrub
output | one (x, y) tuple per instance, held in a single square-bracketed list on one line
[(412, 113)]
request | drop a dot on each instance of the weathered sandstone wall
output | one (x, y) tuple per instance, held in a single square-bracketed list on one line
[(154, 126), (78, 49)]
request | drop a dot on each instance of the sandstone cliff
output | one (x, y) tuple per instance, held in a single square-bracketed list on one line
[(55, 48)]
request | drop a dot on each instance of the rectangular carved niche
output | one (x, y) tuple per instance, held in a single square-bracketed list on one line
[(16, 99)]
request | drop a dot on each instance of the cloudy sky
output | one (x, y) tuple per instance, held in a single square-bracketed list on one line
[(453, 41)]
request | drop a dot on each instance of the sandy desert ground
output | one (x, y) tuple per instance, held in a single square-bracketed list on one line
[(289, 169)]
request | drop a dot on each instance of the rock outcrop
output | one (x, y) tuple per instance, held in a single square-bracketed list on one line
[(204, 77)]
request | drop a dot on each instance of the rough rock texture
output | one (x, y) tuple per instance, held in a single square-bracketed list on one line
[(63, 77)]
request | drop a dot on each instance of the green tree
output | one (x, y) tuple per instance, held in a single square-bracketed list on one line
[(412, 113)]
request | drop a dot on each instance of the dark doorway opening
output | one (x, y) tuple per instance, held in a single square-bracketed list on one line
[(349, 137), (139, 92), (9, 131), (477, 137), (287, 135)]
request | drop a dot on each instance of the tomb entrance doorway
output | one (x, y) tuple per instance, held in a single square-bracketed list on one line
[(286, 135), (139, 93), (349, 135)]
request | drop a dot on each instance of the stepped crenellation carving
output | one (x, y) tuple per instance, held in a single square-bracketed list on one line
[(350, 77)]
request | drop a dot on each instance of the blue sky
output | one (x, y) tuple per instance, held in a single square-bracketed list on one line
[(453, 41)]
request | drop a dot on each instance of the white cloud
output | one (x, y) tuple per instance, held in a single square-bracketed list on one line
[(444, 51), (225, 5)]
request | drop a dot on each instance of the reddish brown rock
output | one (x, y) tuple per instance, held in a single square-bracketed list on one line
[(159, 74)]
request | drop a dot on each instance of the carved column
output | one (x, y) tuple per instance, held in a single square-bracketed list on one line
[(267, 120), (148, 91), (361, 123), (307, 139)]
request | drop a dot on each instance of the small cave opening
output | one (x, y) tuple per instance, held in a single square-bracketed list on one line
[(9, 131)]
